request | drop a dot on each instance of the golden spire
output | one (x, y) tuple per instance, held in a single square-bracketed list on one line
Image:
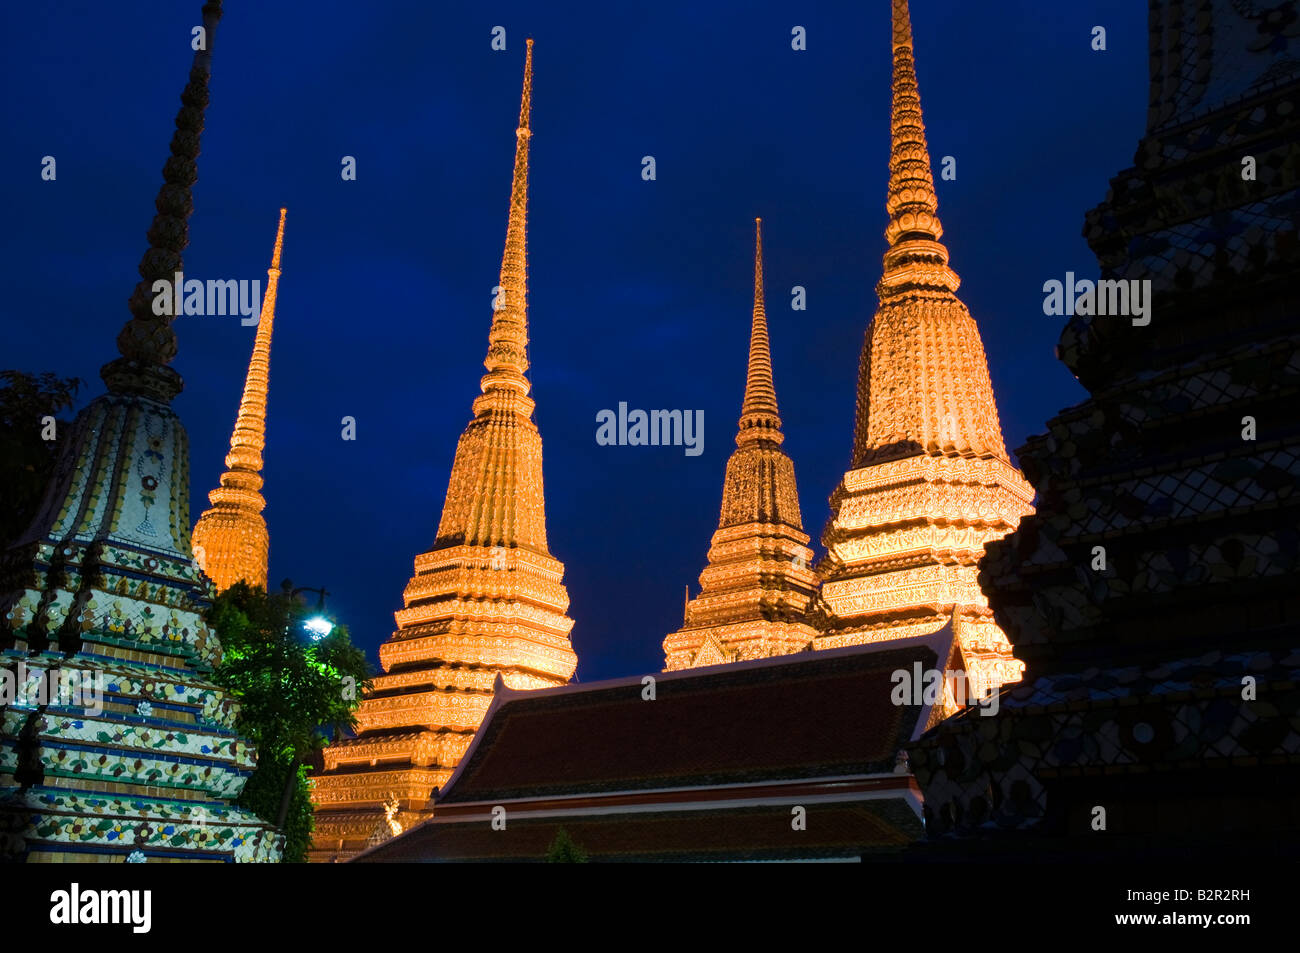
[(487, 602), (759, 417), (930, 481), (933, 393), (494, 497), (916, 258), (758, 584), (230, 539), (760, 484), (507, 357), (147, 342)]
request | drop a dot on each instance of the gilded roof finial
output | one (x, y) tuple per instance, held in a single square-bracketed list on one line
[(230, 539), (507, 357), (759, 417), (147, 343)]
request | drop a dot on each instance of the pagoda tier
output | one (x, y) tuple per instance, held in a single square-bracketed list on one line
[(488, 599), (136, 757), (758, 584), (230, 539), (931, 481)]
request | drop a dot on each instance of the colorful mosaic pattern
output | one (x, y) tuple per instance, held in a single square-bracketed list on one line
[(103, 589)]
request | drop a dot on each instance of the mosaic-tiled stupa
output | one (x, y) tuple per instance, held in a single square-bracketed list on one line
[(1153, 595), (758, 585), (136, 758)]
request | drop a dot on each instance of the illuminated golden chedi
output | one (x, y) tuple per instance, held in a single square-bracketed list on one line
[(230, 539), (931, 480), (759, 582), (486, 600)]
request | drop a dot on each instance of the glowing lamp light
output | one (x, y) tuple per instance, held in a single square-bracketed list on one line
[(318, 626)]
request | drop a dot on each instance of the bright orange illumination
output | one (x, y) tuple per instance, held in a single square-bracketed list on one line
[(931, 481), (230, 539), (487, 599), (758, 583)]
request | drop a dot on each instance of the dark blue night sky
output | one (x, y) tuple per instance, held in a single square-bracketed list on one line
[(639, 291)]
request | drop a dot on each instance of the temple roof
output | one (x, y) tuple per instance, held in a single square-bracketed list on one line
[(796, 716), (604, 761)]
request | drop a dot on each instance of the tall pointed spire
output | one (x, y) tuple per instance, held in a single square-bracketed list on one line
[(916, 258), (107, 593), (487, 602), (507, 357), (934, 395), (931, 481), (230, 539), (912, 205), (759, 417), (495, 494), (757, 587), (147, 342)]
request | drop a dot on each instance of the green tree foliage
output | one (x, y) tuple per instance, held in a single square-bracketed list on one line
[(564, 851), (26, 459), (289, 686)]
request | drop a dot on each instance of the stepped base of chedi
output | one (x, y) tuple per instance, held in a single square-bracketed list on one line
[(891, 574)]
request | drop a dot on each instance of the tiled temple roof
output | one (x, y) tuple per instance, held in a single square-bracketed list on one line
[(708, 769)]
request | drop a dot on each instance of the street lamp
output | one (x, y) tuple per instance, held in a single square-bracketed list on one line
[(317, 625)]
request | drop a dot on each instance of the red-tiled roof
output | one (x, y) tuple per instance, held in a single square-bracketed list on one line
[(630, 778), (814, 715)]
